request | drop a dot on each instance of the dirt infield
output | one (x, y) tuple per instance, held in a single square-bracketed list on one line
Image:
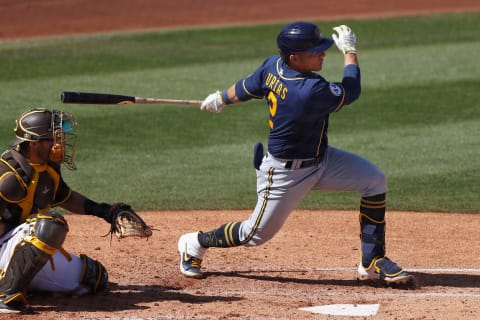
[(311, 262), (306, 264)]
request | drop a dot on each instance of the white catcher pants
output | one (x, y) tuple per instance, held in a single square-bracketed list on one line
[(63, 278)]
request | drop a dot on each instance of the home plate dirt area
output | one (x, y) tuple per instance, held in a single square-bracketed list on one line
[(304, 272)]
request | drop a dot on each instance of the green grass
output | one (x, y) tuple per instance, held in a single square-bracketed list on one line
[(418, 117)]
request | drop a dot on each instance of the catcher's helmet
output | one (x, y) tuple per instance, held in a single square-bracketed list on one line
[(43, 124), (300, 37)]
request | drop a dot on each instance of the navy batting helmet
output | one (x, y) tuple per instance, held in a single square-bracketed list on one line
[(301, 36)]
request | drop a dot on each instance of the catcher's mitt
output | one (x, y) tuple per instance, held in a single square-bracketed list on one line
[(124, 222)]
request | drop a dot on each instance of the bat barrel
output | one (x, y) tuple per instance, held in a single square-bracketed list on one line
[(95, 98)]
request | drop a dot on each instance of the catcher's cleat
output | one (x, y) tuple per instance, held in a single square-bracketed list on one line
[(190, 249), (14, 303), (384, 269)]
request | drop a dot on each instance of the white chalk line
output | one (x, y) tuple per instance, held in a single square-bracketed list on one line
[(350, 269), (342, 309), (425, 270)]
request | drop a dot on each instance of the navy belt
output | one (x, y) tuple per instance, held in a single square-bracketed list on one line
[(297, 164)]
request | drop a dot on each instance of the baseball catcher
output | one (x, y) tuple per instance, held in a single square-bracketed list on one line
[(31, 233)]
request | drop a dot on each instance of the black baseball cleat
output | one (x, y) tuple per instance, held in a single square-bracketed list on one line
[(384, 269), (14, 303)]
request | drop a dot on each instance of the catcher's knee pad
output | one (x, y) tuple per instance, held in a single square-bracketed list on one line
[(94, 275), (372, 226), (49, 232), (46, 236), (26, 261)]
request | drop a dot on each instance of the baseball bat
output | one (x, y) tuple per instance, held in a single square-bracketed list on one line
[(109, 98)]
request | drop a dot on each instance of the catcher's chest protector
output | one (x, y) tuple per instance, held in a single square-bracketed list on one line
[(31, 188)]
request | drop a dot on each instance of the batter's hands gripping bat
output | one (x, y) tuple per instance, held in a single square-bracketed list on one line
[(107, 98)]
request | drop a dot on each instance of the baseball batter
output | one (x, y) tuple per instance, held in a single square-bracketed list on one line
[(31, 234), (299, 158)]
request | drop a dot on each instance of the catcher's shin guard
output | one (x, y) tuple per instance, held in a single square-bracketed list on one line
[(225, 236), (372, 226), (47, 235), (94, 276)]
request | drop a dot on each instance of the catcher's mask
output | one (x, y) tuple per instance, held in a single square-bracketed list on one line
[(43, 124), (300, 37)]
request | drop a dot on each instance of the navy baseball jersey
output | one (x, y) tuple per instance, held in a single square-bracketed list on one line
[(300, 104)]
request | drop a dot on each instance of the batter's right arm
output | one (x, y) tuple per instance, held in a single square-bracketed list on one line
[(346, 42)]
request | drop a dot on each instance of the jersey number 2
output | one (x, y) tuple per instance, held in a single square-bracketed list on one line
[(272, 104)]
